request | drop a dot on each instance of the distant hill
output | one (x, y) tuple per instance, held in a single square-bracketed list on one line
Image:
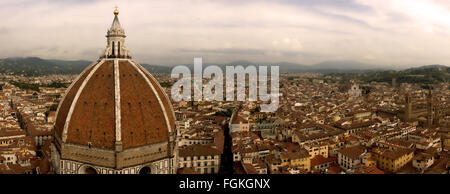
[(324, 67), (34, 66), (343, 65), (429, 74), (284, 67), (157, 68)]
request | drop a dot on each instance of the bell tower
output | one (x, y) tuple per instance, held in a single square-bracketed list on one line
[(431, 109), (408, 107)]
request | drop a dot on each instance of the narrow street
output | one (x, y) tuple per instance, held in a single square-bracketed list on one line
[(226, 164)]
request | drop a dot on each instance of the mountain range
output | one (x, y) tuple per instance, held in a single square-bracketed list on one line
[(34, 66)]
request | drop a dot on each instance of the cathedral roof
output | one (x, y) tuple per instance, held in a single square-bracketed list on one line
[(104, 106), (114, 101)]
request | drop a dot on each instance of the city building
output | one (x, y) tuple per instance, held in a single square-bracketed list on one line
[(205, 159), (349, 158)]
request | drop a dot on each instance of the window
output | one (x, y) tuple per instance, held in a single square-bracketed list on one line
[(113, 49), (118, 50)]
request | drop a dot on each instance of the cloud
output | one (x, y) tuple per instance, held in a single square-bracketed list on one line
[(171, 32)]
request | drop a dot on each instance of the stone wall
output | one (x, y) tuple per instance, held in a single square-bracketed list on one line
[(73, 167)]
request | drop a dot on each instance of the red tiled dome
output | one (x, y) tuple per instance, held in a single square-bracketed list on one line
[(111, 102), (115, 117)]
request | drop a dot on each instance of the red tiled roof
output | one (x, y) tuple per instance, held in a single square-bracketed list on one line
[(186, 170), (352, 152), (334, 170), (319, 159)]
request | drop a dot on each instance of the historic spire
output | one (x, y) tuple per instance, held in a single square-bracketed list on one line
[(115, 47)]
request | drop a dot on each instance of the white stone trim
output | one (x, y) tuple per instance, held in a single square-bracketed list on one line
[(156, 94), (117, 101), (165, 94), (72, 106), (70, 87)]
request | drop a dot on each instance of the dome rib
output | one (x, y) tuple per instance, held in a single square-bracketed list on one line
[(162, 91), (66, 96), (155, 82), (75, 100), (117, 106), (163, 108)]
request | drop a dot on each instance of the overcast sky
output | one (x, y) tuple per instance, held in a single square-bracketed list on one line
[(166, 32)]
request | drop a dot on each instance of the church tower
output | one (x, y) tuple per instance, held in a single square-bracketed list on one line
[(431, 109), (114, 118), (408, 107)]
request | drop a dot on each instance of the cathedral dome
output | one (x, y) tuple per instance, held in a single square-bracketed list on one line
[(114, 100), (114, 115)]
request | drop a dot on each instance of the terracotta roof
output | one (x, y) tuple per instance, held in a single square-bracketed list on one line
[(352, 152), (334, 170), (400, 142), (143, 118), (249, 169), (186, 170), (5, 132), (392, 154), (368, 170), (423, 156), (302, 153), (319, 159), (198, 150), (238, 119), (440, 166)]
